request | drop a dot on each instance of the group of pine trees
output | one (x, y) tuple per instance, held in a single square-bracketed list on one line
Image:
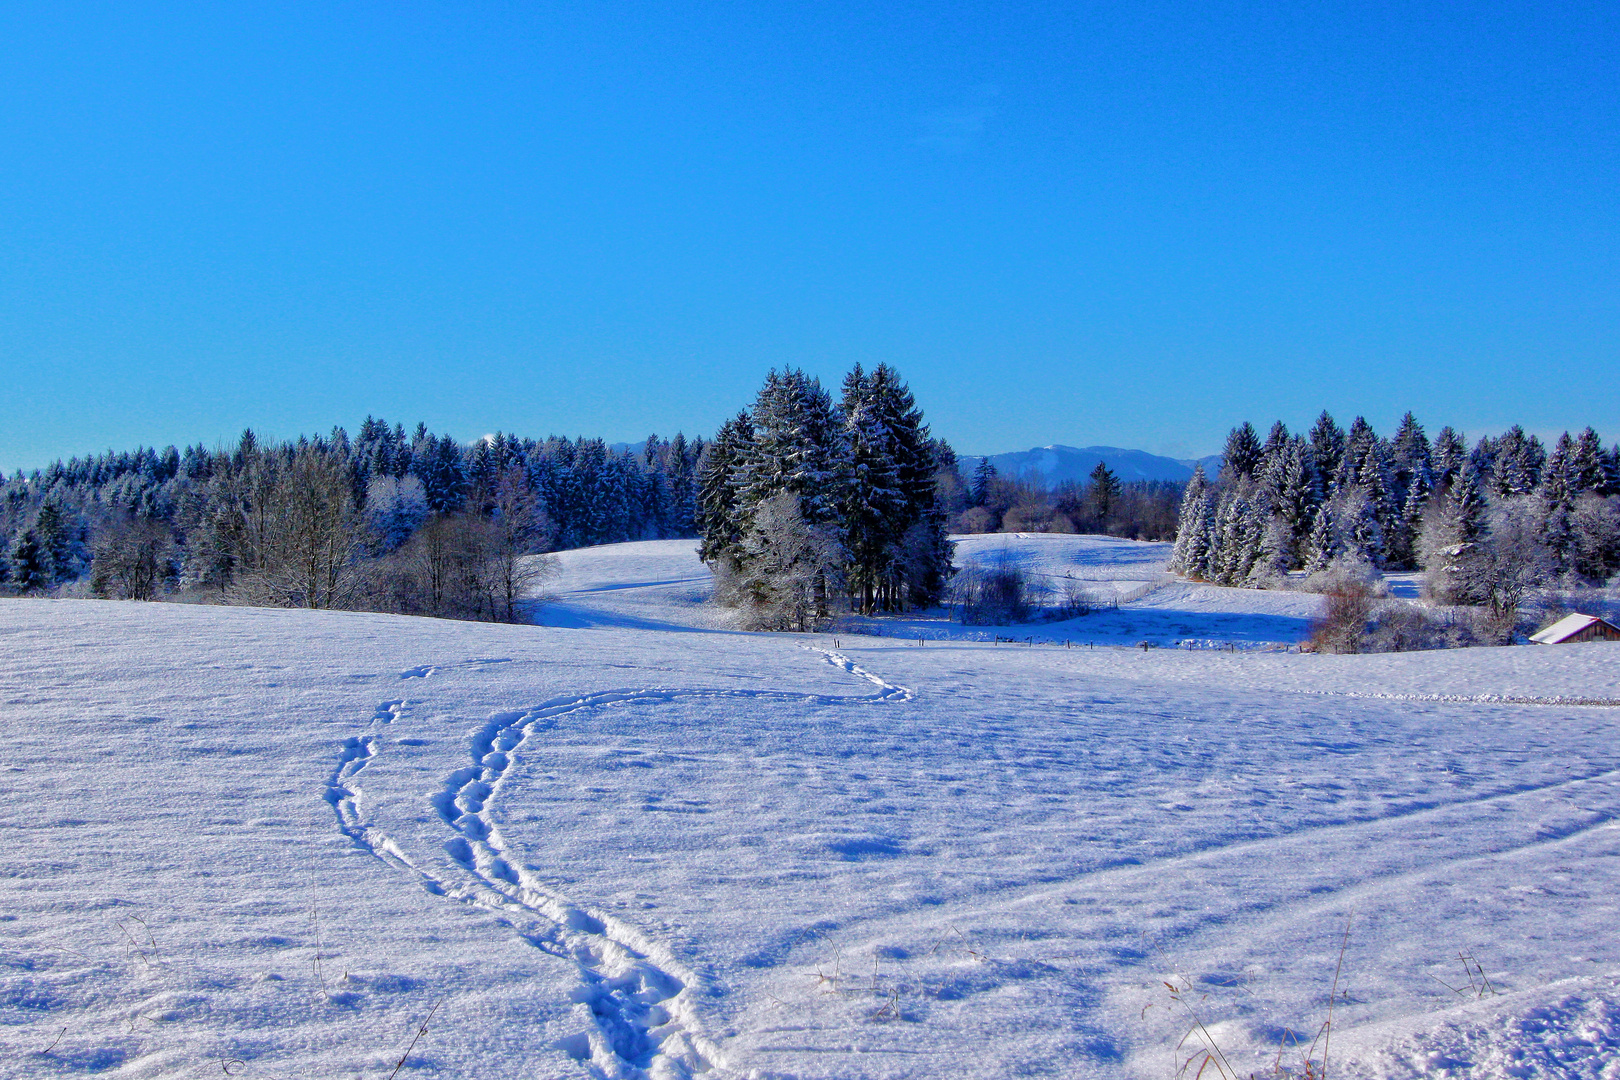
[(1486, 524), (804, 502), (387, 521)]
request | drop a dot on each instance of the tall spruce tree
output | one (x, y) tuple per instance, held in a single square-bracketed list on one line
[(722, 517), (1448, 457), (874, 505), (1327, 451), (1586, 464), (1190, 555), (1242, 454), (798, 446), (1105, 492)]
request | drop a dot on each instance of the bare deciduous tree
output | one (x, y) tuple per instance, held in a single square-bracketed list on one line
[(303, 537), (131, 558)]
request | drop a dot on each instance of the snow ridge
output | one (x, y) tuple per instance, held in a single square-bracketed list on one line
[(637, 991)]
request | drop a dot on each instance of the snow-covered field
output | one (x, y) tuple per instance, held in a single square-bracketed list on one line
[(630, 842)]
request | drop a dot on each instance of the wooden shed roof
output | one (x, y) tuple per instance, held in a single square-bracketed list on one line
[(1568, 627)]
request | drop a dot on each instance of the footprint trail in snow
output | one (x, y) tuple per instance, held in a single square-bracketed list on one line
[(639, 995)]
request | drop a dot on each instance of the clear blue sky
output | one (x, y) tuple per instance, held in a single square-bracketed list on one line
[(1115, 223)]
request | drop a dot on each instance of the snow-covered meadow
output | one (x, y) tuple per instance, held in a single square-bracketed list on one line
[(630, 842)]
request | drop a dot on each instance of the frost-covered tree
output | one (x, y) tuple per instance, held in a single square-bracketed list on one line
[(1325, 547), (920, 552), (1587, 472), (1190, 556), (1411, 455), (1596, 521), (1519, 459), (1512, 561), (1327, 450), (1289, 493), (789, 565), (1447, 457), (395, 507), (798, 446), (864, 472), (722, 515), (1242, 454), (1452, 531), (874, 509)]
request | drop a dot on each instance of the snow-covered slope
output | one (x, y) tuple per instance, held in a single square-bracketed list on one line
[(271, 843)]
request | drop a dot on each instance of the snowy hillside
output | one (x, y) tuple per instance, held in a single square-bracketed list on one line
[(631, 843)]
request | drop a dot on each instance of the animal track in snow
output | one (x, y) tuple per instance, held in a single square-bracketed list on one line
[(637, 992), (424, 670)]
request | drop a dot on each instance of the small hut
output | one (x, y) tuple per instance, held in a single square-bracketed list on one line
[(1577, 628)]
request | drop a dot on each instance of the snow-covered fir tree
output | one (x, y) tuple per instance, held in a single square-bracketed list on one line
[(1190, 556), (863, 474)]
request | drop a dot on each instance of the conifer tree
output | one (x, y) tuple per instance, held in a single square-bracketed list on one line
[(798, 446), (921, 554), (1586, 464), (1447, 458), (1519, 461), (1276, 439), (1450, 537), (722, 518), (1324, 543), (1559, 482), (1105, 492), (1361, 532), (1241, 457), (984, 476), (1188, 557), (875, 507), (28, 570), (1410, 459), (1327, 451)]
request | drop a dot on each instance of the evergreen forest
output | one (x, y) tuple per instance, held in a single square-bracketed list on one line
[(387, 521), (1489, 525)]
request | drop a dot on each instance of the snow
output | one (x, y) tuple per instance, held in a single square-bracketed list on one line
[(631, 843)]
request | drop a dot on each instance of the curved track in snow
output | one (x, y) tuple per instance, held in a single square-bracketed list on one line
[(644, 1024)]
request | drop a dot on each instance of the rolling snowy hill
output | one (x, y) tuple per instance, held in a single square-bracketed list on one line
[(632, 843)]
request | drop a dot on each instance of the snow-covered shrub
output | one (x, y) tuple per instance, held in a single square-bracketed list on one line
[(1347, 569), (1347, 617), (995, 595), (1402, 626)]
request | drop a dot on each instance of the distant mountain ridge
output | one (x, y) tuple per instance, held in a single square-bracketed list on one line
[(1057, 464)]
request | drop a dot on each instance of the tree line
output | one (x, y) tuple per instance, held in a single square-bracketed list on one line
[(1488, 525), (386, 521), (806, 505), (1136, 510)]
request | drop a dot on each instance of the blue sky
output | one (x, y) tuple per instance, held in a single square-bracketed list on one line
[(1133, 224)]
